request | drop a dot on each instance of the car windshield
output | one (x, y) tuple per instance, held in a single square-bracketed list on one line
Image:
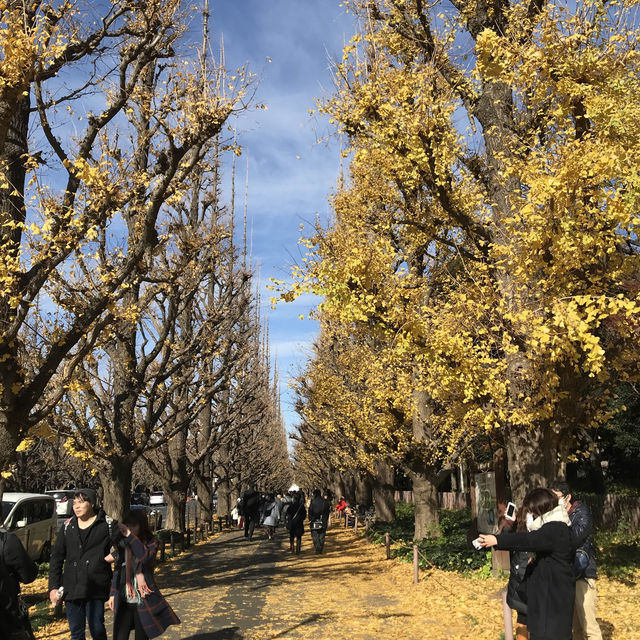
[(6, 509)]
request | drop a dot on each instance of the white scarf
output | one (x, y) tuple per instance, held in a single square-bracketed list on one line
[(557, 514)]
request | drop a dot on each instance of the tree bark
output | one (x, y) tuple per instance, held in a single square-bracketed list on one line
[(532, 458), (425, 500), (383, 492), (176, 507), (204, 490), (115, 477), (224, 498)]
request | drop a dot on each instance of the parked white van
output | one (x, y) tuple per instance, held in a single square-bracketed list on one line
[(32, 517)]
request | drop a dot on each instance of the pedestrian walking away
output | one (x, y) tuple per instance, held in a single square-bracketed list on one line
[(296, 522), (271, 516), (550, 583), (15, 567), (585, 624), (78, 565), (318, 519), (250, 510), (135, 600)]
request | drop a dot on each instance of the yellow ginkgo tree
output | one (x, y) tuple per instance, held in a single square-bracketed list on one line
[(488, 231)]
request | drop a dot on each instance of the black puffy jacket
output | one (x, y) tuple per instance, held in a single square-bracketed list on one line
[(581, 532), (550, 582), (516, 587), (82, 570)]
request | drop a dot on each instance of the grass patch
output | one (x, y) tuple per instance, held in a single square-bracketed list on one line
[(450, 551), (41, 614), (618, 552)]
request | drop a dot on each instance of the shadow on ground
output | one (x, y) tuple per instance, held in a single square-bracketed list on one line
[(229, 633), (223, 568)]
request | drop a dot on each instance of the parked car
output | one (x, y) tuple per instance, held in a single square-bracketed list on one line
[(157, 497), (32, 517), (64, 501)]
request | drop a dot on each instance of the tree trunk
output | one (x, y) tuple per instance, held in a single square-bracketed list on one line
[(532, 458), (204, 491), (115, 477), (364, 493), (224, 498), (383, 492), (425, 500), (176, 507)]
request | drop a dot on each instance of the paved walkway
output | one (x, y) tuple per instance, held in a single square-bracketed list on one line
[(219, 590)]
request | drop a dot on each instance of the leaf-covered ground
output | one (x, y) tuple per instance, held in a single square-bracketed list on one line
[(230, 589)]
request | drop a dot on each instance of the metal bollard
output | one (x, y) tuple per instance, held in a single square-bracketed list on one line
[(355, 523), (188, 538), (173, 544), (220, 524), (162, 551), (387, 544), (416, 568)]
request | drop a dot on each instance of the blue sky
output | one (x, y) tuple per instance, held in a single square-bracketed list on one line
[(300, 37)]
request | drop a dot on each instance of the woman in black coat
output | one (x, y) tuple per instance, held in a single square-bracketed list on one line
[(518, 571), (551, 582), (298, 513)]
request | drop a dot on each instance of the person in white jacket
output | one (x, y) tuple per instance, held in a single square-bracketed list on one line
[(271, 516)]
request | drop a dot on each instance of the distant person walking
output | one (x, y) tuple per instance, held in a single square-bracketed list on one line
[(287, 501), (298, 513), (78, 564), (15, 567), (318, 519), (585, 624), (550, 583), (250, 510), (135, 600), (271, 515)]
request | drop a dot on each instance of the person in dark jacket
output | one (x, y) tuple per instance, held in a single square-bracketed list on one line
[(516, 596), (318, 519), (78, 565), (135, 599), (585, 624), (250, 510), (551, 583), (298, 513), (15, 567)]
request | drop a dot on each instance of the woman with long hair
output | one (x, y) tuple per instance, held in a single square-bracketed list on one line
[(135, 600), (550, 583)]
